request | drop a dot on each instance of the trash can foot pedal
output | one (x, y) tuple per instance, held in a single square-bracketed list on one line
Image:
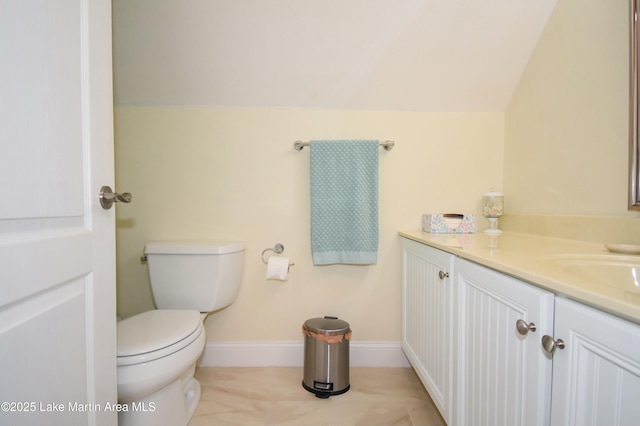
[(323, 394)]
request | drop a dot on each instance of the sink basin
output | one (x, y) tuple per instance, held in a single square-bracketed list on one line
[(620, 272)]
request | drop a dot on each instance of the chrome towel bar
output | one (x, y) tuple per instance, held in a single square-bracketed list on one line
[(387, 145)]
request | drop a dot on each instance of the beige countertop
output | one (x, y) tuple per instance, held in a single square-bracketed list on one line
[(554, 264)]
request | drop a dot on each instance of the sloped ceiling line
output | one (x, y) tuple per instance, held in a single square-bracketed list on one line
[(418, 55)]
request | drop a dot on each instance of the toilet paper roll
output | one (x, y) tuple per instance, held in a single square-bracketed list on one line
[(278, 268)]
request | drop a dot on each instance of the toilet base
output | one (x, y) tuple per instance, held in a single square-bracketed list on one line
[(172, 405)]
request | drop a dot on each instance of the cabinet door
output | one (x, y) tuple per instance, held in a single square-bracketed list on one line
[(596, 377), (502, 377), (426, 319)]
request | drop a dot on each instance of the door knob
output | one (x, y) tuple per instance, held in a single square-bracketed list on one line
[(549, 345), (108, 197), (442, 275), (523, 328)]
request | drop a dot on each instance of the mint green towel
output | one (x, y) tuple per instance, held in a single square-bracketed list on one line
[(344, 202)]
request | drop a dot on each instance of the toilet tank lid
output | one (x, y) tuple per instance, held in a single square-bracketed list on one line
[(193, 247)]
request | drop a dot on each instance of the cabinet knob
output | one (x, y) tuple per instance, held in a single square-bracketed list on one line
[(550, 345), (442, 275), (524, 328)]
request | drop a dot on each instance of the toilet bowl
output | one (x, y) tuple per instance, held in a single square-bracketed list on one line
[(158, 349), (155, 372)]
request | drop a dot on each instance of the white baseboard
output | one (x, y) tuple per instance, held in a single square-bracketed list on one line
[(291, 354)]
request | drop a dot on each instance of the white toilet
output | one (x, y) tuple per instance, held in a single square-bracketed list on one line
[(158, 350)]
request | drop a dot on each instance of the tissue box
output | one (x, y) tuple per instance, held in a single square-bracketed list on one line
[(437, 223)]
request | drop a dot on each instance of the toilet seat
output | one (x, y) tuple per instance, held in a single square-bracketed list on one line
[(155, 334)]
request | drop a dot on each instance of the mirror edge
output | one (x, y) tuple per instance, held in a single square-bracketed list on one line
[(634, 183)]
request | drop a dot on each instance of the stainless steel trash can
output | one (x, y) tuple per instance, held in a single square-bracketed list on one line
[(326, 356)]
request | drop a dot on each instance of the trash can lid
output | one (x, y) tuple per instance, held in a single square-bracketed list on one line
[(330, 326)]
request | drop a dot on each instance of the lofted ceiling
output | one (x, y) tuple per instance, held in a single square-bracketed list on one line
[(405, 55)]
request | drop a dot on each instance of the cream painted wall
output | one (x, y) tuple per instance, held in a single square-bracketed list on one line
[(566, 145), (204, 173)]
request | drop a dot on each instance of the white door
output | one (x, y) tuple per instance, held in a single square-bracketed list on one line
[(57, 272)]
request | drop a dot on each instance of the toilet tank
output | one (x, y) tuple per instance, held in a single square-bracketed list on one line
[(199, 275)]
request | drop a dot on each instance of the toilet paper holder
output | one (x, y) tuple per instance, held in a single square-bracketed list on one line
[(277, 249)]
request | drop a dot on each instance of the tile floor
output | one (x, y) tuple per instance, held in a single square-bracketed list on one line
[(275, 396)]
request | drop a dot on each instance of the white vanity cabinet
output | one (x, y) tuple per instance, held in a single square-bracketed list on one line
[(460, 335), (502, 376), (426, 319), (596, 373), (494, 350)]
